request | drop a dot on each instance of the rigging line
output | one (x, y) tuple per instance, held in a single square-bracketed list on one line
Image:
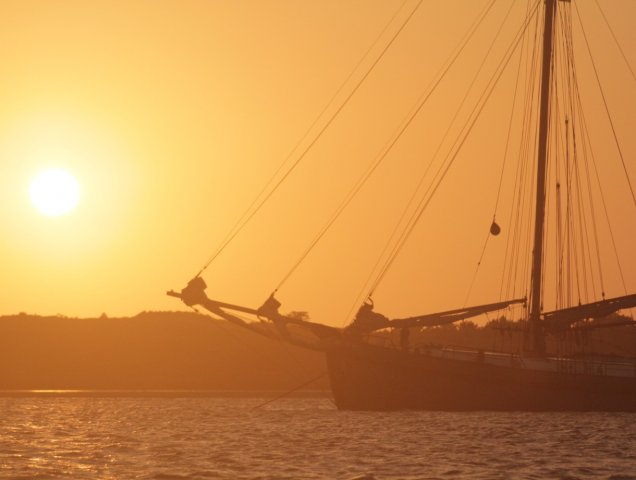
[(616, 40), (587, 141), (456, 115), (591, 202), (288, 352), (523, 262), (450, 158), (609, 116), (503, 167), (447, 63), (314, 141), (432, 188), (417, 189), (219, 323), (574, 213), (583, 229), (570, 125), (594, 223), (303, 137), (572, 86), (602, 194), (564, 71), (557, 195), (510, 122), (514, 236), (289, 392), (559, 224), (457, 147), (386, 150), (568, 237), (472, 282), (514, 239), (571, 170), (567, 72), (430, 193), (577, 248), (589, 180), (554, 145)]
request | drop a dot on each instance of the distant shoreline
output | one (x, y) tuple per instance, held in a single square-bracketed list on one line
[(162, 393), (151, 354)]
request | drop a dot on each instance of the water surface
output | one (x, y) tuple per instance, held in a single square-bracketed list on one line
[(301, 438)]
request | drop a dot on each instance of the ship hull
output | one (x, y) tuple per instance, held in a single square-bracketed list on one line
[(367, 377)]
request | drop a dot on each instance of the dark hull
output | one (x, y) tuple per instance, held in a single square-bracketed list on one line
[(365, 377)]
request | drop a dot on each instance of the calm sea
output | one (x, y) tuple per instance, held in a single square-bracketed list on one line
[(301, 438)]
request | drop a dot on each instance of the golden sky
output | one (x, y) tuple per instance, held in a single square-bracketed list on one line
[(172, 115)]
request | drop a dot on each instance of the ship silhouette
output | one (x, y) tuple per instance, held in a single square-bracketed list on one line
[(367, 372)]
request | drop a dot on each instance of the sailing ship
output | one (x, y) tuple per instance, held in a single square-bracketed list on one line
[(367, 375)]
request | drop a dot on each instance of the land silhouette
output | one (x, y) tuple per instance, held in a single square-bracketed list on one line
[(152, 350), (190, 351)]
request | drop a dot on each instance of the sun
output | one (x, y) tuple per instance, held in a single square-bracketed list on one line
[(54, 192)]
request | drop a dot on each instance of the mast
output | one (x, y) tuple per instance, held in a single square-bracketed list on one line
[(536, 327)]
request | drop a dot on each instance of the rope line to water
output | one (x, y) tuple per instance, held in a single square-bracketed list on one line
[(289, 392)]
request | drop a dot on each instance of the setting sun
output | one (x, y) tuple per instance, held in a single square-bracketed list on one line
[(54, 192)]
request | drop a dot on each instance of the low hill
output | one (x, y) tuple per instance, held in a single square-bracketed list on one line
[(153, 350)]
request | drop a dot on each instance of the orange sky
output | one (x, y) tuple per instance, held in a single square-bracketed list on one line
[(172, 115)]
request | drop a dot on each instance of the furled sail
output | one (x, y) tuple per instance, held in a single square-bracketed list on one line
[(563, 318), (451, 316), (367, 321)]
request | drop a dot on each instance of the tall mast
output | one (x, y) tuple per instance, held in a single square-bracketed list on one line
[(536, 326)]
